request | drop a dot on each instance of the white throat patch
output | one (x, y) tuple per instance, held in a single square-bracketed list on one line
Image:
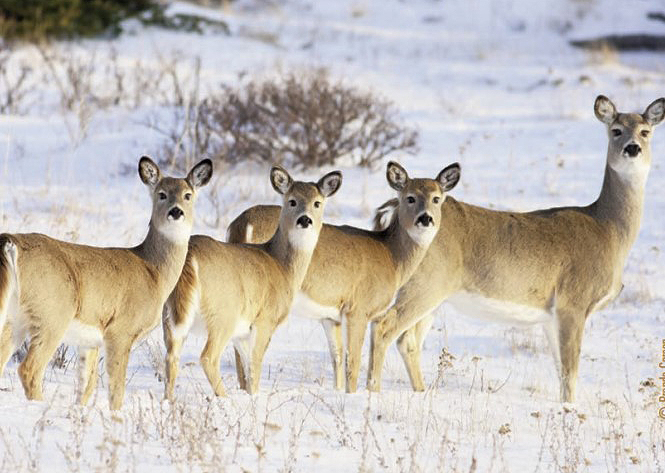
[(303, 239), (177, 231), (633, 170), (422, 236)]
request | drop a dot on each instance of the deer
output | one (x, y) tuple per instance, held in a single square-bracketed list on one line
[(54, 291), (552, 267), (241, 293), (355, 273)]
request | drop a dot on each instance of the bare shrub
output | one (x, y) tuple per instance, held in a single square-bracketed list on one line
[(14, 86), (303, 121)]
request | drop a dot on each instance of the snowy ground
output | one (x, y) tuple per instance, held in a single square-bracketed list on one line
[(492, 84)]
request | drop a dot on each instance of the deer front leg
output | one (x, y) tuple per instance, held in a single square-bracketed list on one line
[(410, 345), (571, 330), (88, 362), (409, 309), (356, 327), (117, 358), (262, 335), (333, 330)]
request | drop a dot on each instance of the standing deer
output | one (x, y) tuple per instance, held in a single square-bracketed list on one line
[(242, 293), (552, 267), (356, 273), (57, 292)]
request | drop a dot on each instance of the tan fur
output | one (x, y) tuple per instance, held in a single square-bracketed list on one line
[(564, 263), (243, 292), (117, 293), (357, 272)]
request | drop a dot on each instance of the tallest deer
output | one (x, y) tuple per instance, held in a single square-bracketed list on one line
[(552, 267)]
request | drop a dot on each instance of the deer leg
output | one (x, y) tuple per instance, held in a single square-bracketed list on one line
[(117, 358), (263, 334), (240, 370), (410, 345), (571, 330), (6, 346), (409, 309), (356, 327), (210, 357), (333, 331), (88, 362), (31, 371)]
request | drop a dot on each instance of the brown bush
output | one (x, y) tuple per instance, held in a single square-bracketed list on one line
[(302, 122)]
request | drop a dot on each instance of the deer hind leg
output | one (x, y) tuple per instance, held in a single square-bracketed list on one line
[(88, 373), (410, 345), (173, 342), (333, 330), (210, 358), (6, 346), (570, 331), (356, 326), (240, 370), (42, 346)]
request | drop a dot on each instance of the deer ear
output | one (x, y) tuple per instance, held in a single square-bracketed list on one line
[(200, 174), (655, 112), (605, 110), (149, 171), (330, 183), (397, 176), (449, 177), (280, 180)]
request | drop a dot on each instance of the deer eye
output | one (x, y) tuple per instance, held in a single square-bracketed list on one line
[(436, 200), (317, 204), (644, 133), (616, 132), (292, 202), (188, 196), (162, 195), (411, 199)]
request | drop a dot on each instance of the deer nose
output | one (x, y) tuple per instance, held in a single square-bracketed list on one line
[(303, 221), (175, 213), (632, 150), (425, 220)]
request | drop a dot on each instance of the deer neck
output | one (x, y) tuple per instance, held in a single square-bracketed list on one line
[(621, 201), (164, 256), (294, 258), (405, 252)]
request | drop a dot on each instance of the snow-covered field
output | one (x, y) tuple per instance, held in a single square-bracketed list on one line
[(491, 84)]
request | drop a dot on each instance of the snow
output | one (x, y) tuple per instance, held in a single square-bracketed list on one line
[(491, 84)]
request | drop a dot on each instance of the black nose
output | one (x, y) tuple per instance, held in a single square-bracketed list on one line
[(425, 220), (304, 221), (632, 150), (175, 213)]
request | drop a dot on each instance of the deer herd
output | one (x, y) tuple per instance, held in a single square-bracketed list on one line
[(552, 267)]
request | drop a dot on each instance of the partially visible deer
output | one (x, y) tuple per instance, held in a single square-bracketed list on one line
[(356, 273), (87, 296), (552, 267), (241, 293)]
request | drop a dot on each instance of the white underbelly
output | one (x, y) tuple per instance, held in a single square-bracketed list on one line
[(496, 310), (82, 335), (305, 306)]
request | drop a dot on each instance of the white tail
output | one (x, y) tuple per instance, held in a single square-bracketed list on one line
[(243, 292), (89, 296), (356, 273), (553, 266)]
